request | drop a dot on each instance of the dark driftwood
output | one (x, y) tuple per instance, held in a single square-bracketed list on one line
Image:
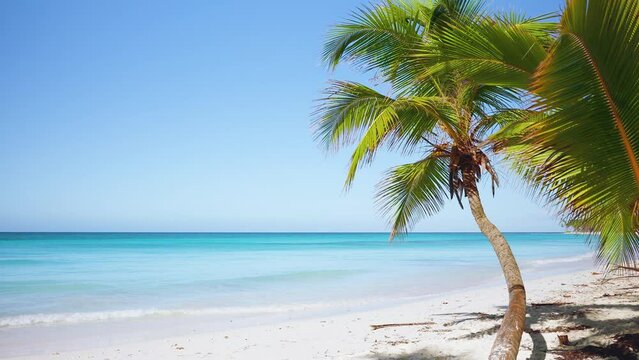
[(563, 340), (375, 327)]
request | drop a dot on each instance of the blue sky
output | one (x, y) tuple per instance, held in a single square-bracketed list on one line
[(188, 116)]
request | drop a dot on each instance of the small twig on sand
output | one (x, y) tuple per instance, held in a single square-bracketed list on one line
[(552, 304), (559, 329), (375, 327)]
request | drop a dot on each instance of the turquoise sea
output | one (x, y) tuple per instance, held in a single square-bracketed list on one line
[(51, 278)]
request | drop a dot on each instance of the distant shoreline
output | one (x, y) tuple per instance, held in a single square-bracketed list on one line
[(277, 232)]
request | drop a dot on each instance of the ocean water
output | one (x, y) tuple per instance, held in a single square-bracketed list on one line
[(65, 278)]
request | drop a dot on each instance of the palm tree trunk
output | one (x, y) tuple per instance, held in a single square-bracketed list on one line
[(506, 345)]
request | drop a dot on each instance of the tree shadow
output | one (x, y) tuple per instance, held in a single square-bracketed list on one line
[(587, 323), (580, 321), (422, 354), (604, 326), (540, 346)]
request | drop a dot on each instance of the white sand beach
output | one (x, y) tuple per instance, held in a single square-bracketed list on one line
[(588, 307)]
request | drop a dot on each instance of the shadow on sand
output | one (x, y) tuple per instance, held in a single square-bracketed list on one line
[(417, 355), (603, 329), (597, 330)]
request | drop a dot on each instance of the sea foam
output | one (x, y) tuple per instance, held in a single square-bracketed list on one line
[(563, 260), (81, 317)]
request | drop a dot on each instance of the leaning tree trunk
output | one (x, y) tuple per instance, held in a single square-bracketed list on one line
[(506, 345)]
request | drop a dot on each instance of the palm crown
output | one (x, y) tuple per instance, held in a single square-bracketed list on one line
[(445, 120), (444, 116), (580, 150)]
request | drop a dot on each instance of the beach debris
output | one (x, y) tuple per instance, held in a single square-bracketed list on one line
[(381, 326), (624, 347), (565, 329), (398, 342), (558, 329)]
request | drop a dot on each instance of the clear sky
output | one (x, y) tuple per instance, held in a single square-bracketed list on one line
[(188, 116)]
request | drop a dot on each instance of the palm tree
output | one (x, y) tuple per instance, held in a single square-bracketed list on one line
[(581, 149), (446, 118)]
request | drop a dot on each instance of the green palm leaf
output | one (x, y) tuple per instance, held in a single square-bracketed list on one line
[(412, 191), (386, 37), (588, 85), (354, 112), (378, 37), (493, 51), (580, 148)]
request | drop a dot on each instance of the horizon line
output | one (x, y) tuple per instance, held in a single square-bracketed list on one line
[(271, 232)]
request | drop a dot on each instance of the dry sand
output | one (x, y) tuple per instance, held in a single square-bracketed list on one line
[(456, 326)]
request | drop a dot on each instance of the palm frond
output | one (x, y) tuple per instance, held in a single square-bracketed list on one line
[(355, 113), (386, 37), (588, 86), (412, 191), (378, 37), (489, 51), (401, 125), (345, 113)]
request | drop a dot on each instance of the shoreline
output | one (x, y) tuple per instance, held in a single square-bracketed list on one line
[(456, 324), (532, 269)]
